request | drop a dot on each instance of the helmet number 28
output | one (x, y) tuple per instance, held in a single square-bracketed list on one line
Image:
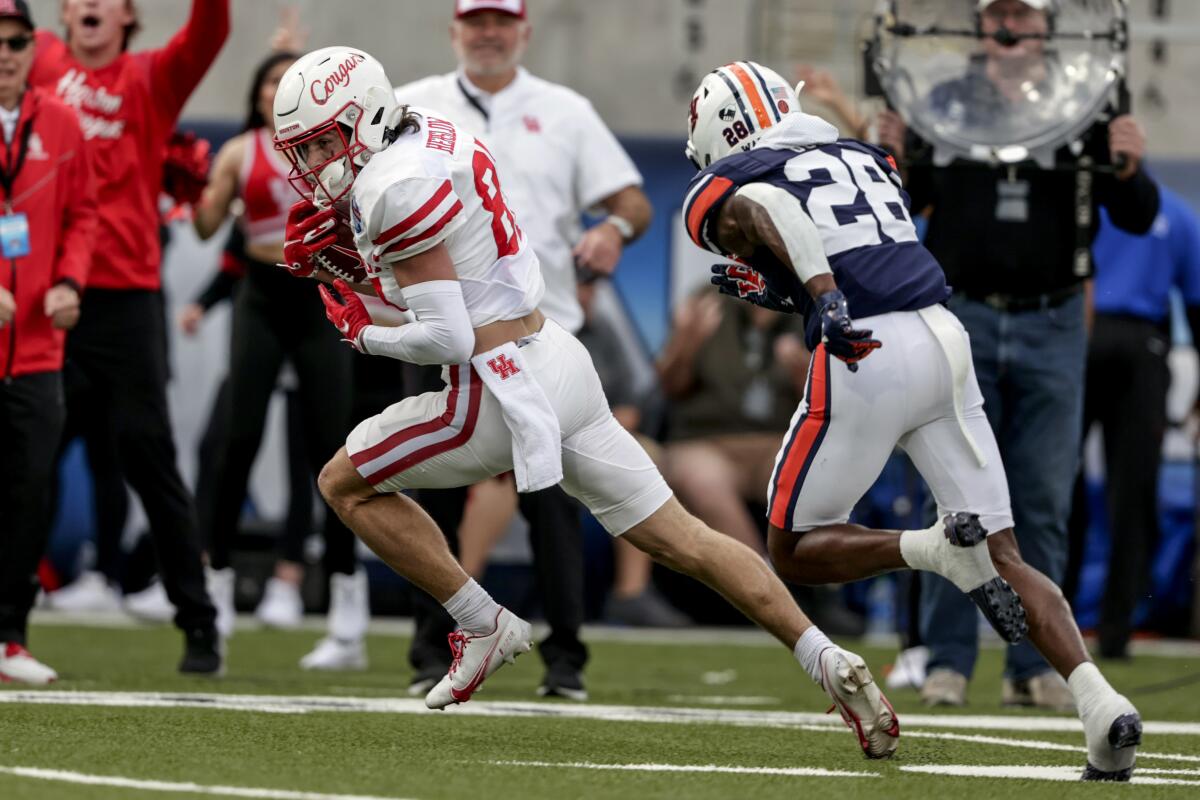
[(487, 185)]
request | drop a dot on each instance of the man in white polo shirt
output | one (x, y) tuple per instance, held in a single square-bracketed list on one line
[(556, 159)]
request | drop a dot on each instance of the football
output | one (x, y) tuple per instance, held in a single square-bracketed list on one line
[(341, 259)]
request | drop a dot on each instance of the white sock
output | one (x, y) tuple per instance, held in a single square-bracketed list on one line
[(472, 608), (1089, 688), (966, 567), (808, 651)]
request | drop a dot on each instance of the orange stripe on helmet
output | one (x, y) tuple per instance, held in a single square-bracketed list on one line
[(752, 94)]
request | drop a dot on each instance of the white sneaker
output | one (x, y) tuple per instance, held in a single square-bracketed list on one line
[(477, 657), (336, 655), (1113, 732), (89, 592), (220, 590), (349, 606), (150, 604), (864, 709), (18, 666), (909, 669), (281, 605)]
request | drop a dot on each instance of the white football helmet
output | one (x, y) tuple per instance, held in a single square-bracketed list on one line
[(340, 100), (732, 107)]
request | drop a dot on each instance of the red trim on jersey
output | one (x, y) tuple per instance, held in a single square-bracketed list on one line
[(701, 205), (432, 230), (396, 440), (415, 218), (803, 447)]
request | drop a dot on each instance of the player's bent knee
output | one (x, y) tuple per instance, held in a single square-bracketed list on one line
[(340, 484), (783, 550), (1005, 553)]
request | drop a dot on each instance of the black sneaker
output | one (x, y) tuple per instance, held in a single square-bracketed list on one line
[(202, 655), (563, 682)]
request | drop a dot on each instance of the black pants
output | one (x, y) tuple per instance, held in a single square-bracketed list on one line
[(276, 317), (117, 367), (1127, 383), (298, 524), (557, 543), (31, 421)]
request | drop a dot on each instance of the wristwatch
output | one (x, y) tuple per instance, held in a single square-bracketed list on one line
[(623, 226)]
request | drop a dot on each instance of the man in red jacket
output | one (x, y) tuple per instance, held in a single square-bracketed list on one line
[(128, 104), (47, 230)]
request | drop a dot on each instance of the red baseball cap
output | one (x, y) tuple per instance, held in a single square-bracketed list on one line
[(18, 10), (463, 8)]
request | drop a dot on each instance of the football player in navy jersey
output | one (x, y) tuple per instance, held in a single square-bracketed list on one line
[(820, 226)]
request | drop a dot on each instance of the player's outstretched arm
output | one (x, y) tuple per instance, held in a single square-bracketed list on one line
[(760, 215)]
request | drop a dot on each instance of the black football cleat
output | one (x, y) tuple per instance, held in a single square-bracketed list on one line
[(995, 598)]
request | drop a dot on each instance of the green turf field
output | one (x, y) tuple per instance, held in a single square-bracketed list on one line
[(686, 720)]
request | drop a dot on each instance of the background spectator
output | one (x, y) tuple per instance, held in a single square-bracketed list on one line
[(1127, 382), (1014, 249), (127, 105), (556, 159), (47, 233)]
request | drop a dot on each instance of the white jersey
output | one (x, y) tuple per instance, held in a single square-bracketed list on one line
[(557, 158), (439, 185)]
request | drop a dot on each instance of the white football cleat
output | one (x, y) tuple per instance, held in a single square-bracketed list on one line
[(281, 605), (1113, 732), (864, 709), (336, 655), (477, 657), (220, 584), (150, 604), (89, 592), (18, 666)]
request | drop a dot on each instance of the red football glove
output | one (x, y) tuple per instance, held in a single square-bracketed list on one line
[(309, 230), (347, 313)]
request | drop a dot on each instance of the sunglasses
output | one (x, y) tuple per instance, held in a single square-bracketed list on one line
[(16, 43)]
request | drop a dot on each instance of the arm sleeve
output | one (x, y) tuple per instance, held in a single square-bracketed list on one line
[(412, 216), (80, 215), (177, 68), (442, 333), (602, 167), (1132, 204)]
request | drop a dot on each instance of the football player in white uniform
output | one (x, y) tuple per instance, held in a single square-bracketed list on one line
[(430, 222), (821, 227)]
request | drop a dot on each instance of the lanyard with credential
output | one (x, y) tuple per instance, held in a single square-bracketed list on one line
[(8, 179)]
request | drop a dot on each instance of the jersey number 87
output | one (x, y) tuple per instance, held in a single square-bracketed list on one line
[(487, 186)]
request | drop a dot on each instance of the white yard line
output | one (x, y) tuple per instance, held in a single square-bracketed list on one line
[(1026, 772), (912, 725), (299, 704), (808, 772), (63, 776)]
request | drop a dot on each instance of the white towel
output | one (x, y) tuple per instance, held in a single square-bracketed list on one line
[(536, 437), (942, 323)]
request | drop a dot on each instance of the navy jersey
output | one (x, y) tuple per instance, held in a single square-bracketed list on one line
[(853, 194)]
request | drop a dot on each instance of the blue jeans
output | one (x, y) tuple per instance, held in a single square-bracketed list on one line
[(1030, 367)]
